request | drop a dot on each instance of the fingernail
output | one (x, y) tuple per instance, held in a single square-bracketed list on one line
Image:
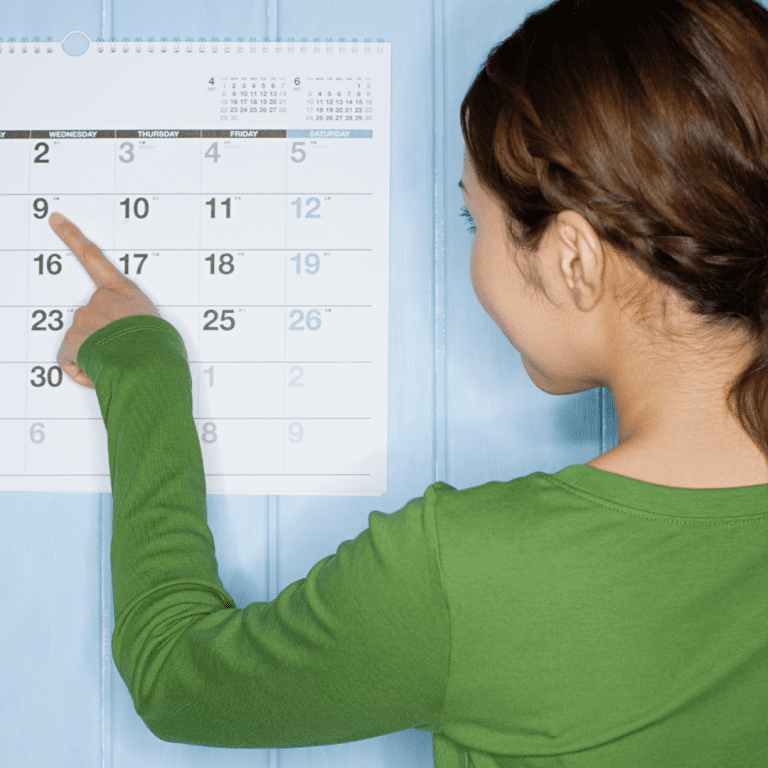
[(56, 219)]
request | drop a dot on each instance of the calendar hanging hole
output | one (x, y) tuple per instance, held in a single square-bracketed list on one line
[(75, 43)]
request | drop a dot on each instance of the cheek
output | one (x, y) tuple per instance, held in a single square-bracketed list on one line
[(490, 283), (480, 271), (473, 266)]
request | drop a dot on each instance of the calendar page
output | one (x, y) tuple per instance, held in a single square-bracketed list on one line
[(244, 188)]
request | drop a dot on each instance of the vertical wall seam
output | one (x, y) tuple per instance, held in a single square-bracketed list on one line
[(601, 411), (439, 245), (272, 20), (106, 20)]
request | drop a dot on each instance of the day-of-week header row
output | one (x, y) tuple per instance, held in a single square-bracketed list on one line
[(301, 133)]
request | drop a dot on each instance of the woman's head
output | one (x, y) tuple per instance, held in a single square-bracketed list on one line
[(619, 153)]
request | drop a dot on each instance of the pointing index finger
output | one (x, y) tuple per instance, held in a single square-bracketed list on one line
[(96, 264)]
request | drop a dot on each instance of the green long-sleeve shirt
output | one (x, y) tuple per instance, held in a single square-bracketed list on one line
[(572, 619)]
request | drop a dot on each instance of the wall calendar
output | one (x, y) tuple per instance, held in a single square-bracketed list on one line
[(245, 189)]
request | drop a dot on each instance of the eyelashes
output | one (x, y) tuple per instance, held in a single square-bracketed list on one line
[(470, 222)]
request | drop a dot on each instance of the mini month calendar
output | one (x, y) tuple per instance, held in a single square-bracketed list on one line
[(245, 189)]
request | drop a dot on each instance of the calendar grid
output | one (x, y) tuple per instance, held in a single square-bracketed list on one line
[(280, 296)]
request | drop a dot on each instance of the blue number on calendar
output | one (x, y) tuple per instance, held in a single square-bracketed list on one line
[(313, 321), (310, 213), (314, 263), (295, 382), (295, 150)]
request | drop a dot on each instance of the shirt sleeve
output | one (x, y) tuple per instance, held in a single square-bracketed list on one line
[(359, 648)]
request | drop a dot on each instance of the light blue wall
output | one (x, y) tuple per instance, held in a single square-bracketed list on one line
[(461, 406)]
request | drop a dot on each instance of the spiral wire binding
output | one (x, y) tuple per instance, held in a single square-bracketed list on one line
[(214, 45)]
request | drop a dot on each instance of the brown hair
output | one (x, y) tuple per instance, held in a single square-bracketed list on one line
[(650, 120)]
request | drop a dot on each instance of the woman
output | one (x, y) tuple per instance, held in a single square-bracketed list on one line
[(610, 614)]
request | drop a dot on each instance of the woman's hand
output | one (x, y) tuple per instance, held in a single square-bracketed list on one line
[(115, 297)]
